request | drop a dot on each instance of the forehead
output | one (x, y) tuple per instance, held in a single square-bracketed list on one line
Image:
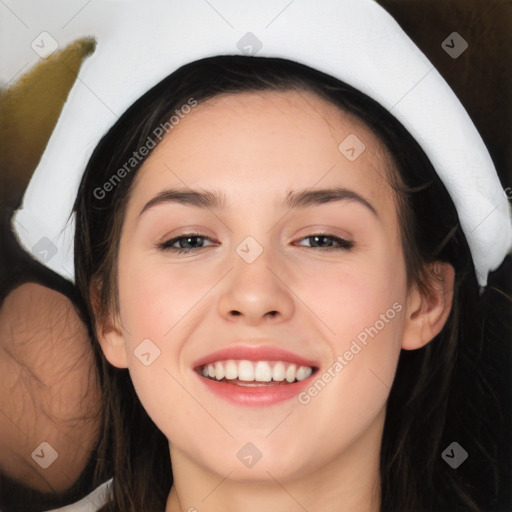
[(263, 143)]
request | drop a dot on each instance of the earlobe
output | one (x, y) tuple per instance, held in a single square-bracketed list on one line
[(109, 333), (426, 314)]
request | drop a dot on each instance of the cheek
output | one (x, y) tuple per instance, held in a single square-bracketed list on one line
[(155, 297), (365, 315), (362, 314), (364, 293)]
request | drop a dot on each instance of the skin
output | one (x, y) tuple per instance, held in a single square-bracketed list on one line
[(50, 391), (254, 147)]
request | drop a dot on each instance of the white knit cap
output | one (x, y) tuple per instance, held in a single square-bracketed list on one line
[(356, 41)]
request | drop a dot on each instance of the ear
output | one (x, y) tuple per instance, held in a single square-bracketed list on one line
[(109, 332), (426, 314)]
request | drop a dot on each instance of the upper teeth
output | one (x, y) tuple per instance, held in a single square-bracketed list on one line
[(259, 371)]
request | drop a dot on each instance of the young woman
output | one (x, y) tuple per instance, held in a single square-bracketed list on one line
[(259, 284), (285, 283)]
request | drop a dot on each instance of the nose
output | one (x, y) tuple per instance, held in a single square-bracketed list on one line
[(256, 293)]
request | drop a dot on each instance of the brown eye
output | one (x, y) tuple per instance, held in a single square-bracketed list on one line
[(319, 239)]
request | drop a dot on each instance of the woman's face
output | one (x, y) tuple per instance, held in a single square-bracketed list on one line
[(280, 279)]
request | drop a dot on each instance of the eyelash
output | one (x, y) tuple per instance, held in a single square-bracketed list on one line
[(344, 245)]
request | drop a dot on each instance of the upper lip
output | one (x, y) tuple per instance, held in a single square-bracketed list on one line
[(248, 352)]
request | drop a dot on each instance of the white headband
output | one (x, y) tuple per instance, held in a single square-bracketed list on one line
[(356, 41)]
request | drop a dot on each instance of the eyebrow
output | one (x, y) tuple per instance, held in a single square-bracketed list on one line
[(295, 198)]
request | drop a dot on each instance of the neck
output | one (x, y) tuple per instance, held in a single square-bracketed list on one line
[(350, 482)]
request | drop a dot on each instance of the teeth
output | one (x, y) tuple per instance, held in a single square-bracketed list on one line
[(231, 370), (256, 371), (263, 372), (290, 373), (245, 371), (278, 372), (303, 372), (219, 371)]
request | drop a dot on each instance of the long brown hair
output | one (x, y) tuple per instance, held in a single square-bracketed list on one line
[(429, 382)]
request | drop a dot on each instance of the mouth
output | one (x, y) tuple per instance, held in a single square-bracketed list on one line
[(255, 376), (255, 373)]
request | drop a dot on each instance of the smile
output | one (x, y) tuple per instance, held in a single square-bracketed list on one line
[(254, 373), (260, 375), (252, 392)]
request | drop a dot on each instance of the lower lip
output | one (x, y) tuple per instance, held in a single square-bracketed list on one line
[(255, 395)]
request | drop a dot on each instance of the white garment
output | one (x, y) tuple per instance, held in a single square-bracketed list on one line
[(356, 41), (90, 503)]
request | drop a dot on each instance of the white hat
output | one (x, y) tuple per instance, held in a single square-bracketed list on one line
[(356, 41)]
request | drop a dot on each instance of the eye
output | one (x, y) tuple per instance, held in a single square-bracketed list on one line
[(320, 238), (184, 241), (191, 239)]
